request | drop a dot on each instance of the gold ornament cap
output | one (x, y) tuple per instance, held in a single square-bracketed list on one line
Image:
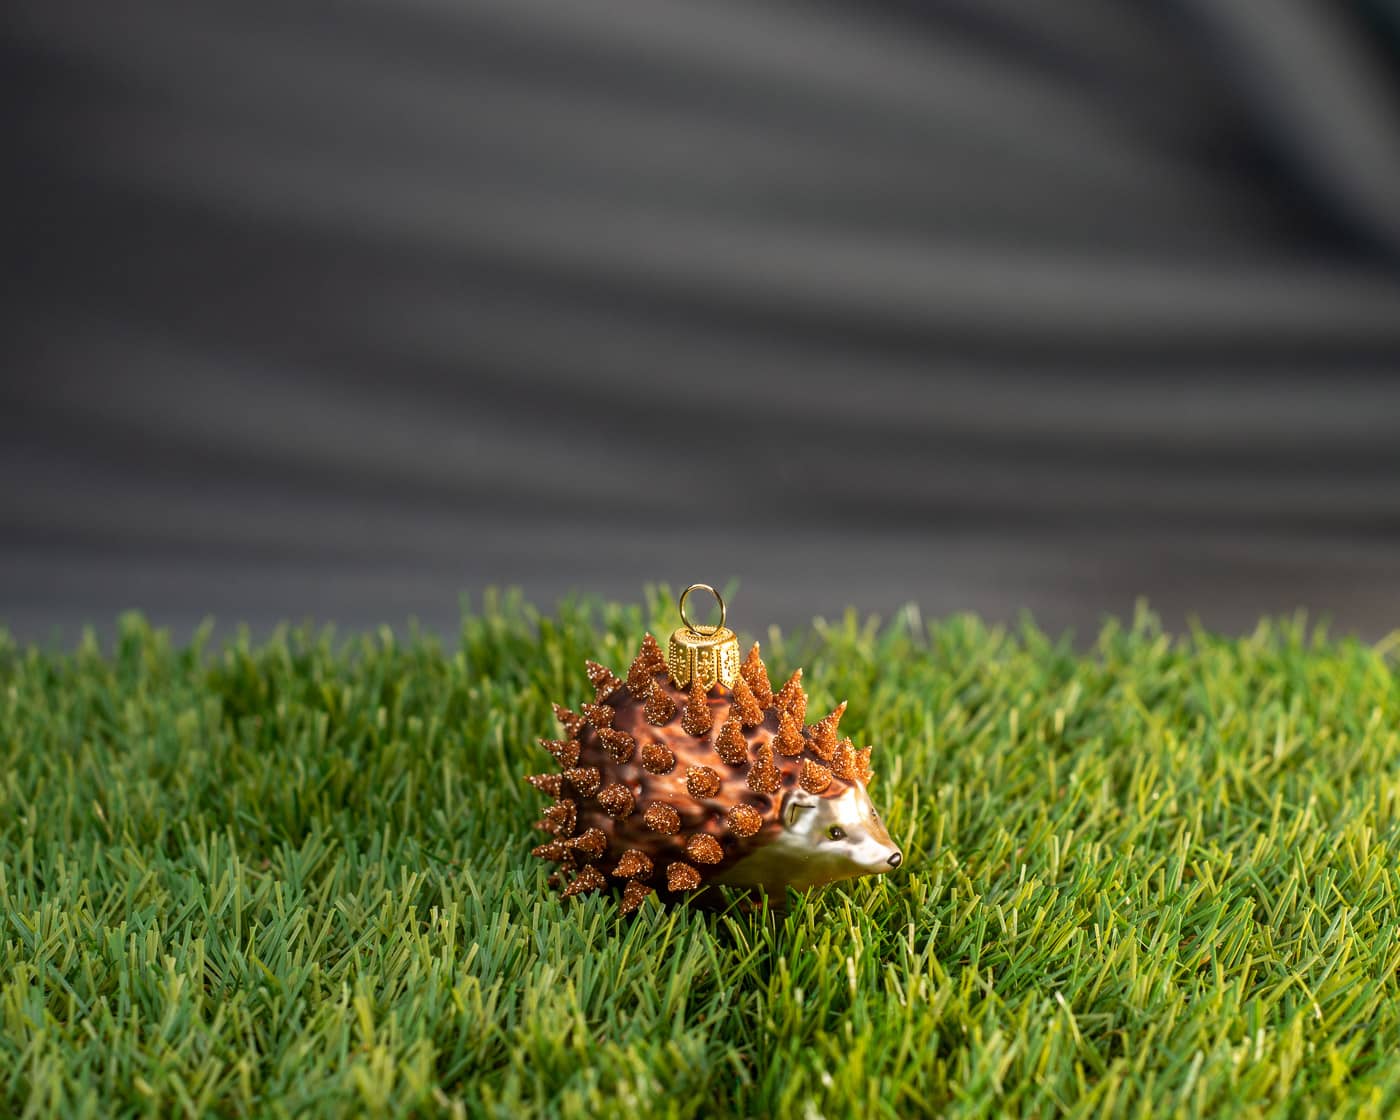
[(708, 654)]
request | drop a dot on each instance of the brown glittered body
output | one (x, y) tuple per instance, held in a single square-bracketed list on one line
[(668, 790)]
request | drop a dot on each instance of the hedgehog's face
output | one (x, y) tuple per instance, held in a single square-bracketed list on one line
[(844, 833), (822, 840)]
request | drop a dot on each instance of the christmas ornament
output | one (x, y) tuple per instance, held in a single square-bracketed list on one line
[(693, 772)]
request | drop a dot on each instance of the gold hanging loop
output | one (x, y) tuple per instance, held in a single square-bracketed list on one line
[(709, 631)]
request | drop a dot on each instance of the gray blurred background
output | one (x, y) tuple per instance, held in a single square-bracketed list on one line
[(337, 310)]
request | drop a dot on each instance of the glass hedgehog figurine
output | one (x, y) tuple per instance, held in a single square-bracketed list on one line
[(694, 772)]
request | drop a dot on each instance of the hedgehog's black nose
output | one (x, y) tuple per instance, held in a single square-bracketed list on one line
[(895, 860)]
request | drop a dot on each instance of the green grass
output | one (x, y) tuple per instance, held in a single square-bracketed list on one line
[(1158, 876)]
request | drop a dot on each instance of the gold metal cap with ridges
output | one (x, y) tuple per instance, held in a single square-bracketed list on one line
[(708, 654)]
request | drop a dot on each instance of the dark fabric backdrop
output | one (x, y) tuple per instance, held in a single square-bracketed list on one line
[(338, 309)]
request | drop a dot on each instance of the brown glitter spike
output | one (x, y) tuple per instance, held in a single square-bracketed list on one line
[(813, 777), (755, 673), (657, 758), (792, 699), (701, 782), (843, 761), (704, 848), (659, 706), (681, 877), (698, 718), (565, 751), (864, 774), (822, 735), (599, 715), (651, 652), (602, 679), (745, 705), (547, 783), (618, 744), (648, 662), (571, 722), (730, 743), (763, 775), (744, 820), (589, 878), (617, 800), (556, 850), (592, 842), (788, 741), (585, 779), (633, 895), (662, 818), (553, 882), (634, 864), (562, 817), (639, 677)]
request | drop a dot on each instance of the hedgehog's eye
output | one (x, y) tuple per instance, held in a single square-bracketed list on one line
[(836, 832)]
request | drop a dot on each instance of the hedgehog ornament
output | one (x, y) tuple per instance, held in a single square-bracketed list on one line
[(693, 772)]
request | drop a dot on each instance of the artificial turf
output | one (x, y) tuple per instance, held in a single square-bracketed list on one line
[(1152, 875)]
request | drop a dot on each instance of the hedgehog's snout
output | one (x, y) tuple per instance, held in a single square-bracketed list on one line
[(871, 848)]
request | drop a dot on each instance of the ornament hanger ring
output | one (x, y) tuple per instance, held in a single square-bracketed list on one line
[(707, 631)]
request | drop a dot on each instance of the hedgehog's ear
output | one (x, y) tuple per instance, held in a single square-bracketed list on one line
[(796, 802)]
